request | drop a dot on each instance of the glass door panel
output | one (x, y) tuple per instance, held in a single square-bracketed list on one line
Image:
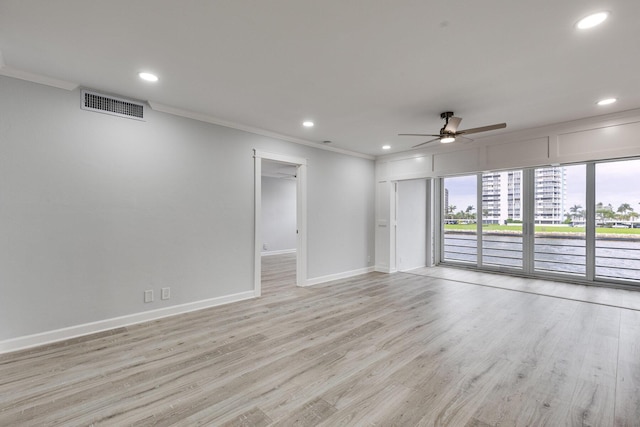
[(460, 238), (502, 219), (559, 219), (617, 245)]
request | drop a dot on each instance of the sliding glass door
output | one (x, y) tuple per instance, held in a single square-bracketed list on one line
[(580, 221), (502, 219), (559, 220), (617, 242), (460, 237)]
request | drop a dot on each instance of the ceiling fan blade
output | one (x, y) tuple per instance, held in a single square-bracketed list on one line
[(416, 134), (427, 142), (452, 124), (482, 129)]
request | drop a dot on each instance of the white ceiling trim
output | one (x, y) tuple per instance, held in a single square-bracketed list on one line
[(216, 121), (5, 70)]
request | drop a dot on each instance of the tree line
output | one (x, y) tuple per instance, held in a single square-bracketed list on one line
[(604, 213)]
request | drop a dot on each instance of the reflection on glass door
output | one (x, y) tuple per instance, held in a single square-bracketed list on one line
[(459, 219), (502, 219), (617, 246), (559, 218)]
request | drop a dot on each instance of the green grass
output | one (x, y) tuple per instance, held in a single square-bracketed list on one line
[(542, 228)]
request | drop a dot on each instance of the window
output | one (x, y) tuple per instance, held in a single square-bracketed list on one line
[(460, 239), (502, 219), (578, 220), (559, 216), (617, 245)]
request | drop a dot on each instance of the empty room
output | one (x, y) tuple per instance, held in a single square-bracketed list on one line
[(279, 213)]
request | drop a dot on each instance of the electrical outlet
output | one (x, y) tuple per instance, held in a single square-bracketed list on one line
[(148, 296), (166, 293), (368, 258), (264, 246)]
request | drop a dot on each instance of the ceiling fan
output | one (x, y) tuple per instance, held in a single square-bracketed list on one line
[(450, 131)]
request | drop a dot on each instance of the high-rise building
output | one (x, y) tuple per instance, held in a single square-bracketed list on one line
[(446, 201), (550, 192), (502, 196)]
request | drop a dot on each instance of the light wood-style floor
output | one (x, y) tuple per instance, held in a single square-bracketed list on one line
[(402, 349)]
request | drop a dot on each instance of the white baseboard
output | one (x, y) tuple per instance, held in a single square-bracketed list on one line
[(63, 334), (404, 270), (337, 276), (384, 269), (280, 252)]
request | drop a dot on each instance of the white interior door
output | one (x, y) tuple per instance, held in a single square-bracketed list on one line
[(411, 220)]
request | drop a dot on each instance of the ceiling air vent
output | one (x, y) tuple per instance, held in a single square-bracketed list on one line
[(107, 104)]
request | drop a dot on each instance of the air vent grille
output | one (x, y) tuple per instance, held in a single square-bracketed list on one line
[(93, 101)]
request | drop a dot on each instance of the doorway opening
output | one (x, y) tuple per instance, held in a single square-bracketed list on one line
[(280, 218)]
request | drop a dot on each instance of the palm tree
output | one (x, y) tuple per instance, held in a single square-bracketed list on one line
[(451, 209), (469, 211), (575, 210), (600, 212), (623, 209)]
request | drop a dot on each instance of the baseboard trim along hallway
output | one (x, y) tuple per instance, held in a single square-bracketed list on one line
[(63, 334)]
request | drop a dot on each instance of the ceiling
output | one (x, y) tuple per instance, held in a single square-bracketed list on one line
[(362, 70)]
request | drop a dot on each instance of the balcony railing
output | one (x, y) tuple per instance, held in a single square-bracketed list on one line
[(617, 256)]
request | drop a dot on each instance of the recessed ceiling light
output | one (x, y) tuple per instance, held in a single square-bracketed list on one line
[(307, 124), (607, 101), (148, 77), (592, 20), (386, 147)]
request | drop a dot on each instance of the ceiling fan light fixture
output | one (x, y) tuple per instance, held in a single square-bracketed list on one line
[(592, 20), (450, 130)]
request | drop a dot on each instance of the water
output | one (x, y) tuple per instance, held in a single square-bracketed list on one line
[(616, 258)]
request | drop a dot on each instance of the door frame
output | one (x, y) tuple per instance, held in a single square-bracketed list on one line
[(301, 215)]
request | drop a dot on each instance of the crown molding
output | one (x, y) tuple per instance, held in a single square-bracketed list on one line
[(216, 121), (8, 71)]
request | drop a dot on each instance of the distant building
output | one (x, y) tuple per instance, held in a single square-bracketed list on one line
[(491, 196), (446, 201), (550, 192), (502, 196)]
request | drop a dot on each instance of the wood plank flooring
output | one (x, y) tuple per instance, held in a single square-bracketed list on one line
[(377, 349)]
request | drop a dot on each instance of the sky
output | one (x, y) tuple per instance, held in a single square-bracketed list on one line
[(616, 183), (462, 191)]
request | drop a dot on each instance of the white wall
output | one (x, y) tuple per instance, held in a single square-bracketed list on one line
[(278, 214), (411, 229), (340, 213), (95, 209)]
